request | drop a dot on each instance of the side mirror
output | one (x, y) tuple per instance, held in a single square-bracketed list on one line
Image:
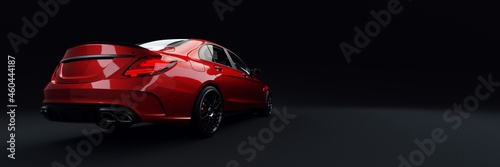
[(255, 71)]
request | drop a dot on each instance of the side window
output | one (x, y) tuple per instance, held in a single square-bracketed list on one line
[(214, 54), (219, 56), (238, 63), (205, 53)]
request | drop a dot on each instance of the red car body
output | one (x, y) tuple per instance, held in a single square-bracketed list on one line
[(157, 81)]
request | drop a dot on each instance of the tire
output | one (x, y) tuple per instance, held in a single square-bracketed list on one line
[(207, 112), (268, 108)]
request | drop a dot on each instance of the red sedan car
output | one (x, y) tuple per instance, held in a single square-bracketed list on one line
[(188, 80)]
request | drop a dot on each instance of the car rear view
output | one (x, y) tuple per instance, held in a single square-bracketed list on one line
[(173, 80), (106, 82)]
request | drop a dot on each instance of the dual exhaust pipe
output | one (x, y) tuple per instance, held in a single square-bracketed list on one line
[(116, 117), (89, 114)]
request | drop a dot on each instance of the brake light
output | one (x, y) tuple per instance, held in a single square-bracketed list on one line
[(149, 66), (53, 79), (53, 76)]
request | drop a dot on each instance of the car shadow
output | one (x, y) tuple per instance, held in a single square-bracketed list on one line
[(142, 135)]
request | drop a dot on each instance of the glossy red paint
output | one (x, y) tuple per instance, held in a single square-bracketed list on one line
[(156, 85)]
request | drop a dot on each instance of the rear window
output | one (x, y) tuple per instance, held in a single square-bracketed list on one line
[(161, 44)]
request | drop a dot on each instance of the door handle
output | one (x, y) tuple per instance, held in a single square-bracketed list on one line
[(218, 68)]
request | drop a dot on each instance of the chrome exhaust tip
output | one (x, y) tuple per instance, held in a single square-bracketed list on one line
[(108, 117), (43, 112), (123, 117)]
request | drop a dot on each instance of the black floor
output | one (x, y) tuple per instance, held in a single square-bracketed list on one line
[(344, 136)]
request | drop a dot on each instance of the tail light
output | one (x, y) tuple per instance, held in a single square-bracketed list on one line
[(53, 79), (149, 66)]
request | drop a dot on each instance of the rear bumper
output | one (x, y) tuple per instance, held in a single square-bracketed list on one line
[(86, 113), (142, 103), (151, 99)]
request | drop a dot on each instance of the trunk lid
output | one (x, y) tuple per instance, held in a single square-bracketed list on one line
[(93, 62)]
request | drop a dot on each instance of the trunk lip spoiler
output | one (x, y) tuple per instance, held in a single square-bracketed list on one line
[(109, 43), (102, 56)]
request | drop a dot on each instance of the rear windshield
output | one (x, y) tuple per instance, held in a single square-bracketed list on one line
[(161, 44)]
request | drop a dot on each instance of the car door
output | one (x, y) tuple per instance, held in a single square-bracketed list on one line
[(227, 79), (251, 87)]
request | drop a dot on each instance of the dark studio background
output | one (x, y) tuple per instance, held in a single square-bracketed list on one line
[(428, 58)]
